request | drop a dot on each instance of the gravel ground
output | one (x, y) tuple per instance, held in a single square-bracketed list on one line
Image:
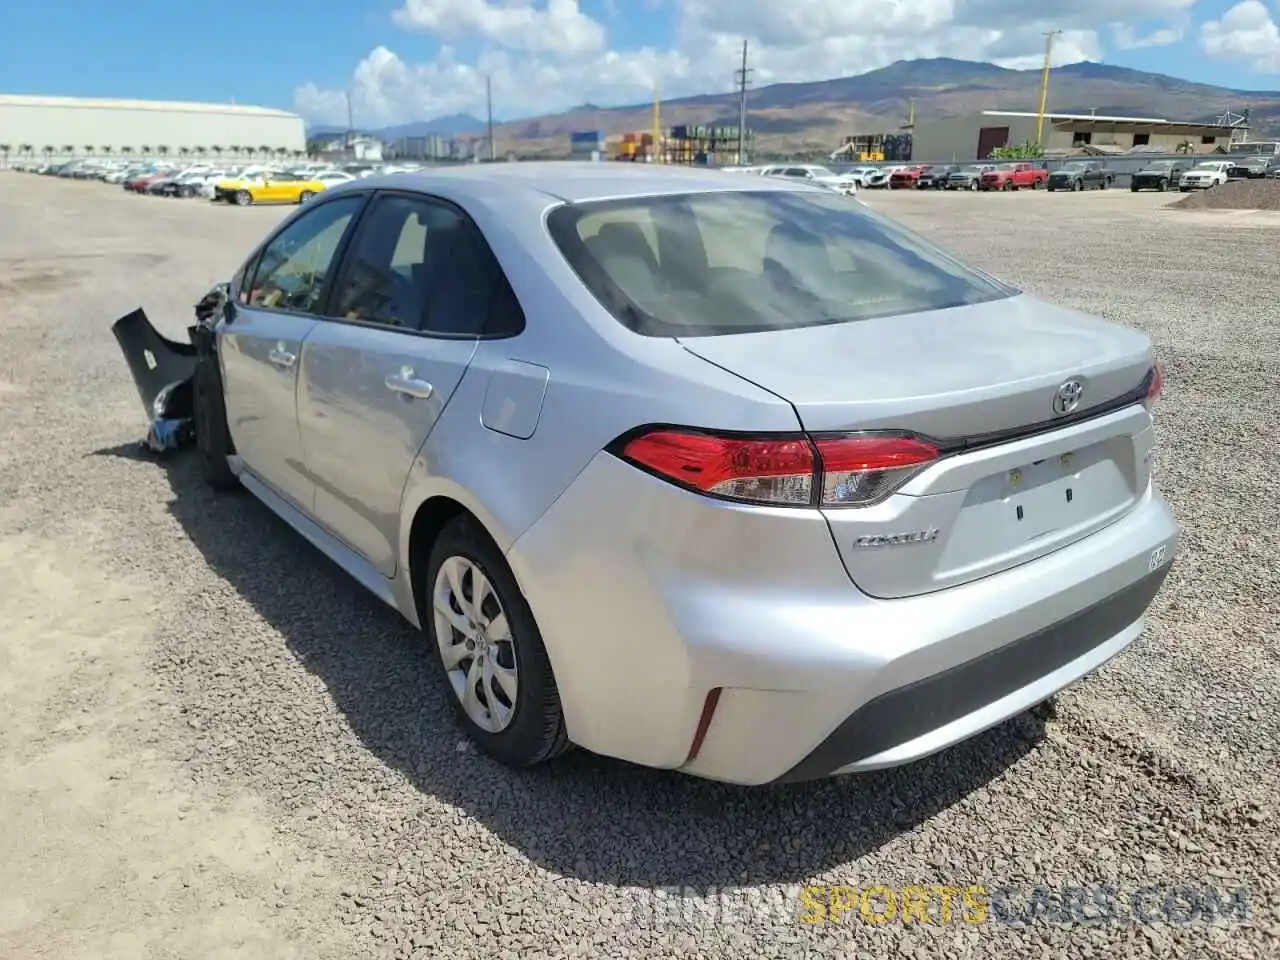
[(216, 745), (1235, 195)]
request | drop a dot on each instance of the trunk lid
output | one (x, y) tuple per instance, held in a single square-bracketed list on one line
[(1017, 479)]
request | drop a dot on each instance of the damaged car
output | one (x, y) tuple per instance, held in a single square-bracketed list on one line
[(718, 474)]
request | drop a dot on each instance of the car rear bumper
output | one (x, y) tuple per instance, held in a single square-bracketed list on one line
[(650, 598)]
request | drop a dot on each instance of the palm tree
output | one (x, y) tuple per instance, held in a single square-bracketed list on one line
[(164, 151), (48, 150), (126, 150), (69, 150), (266, 150), (4, 148), (146, 150), (199, 151), (235, 148), (88, 149), (217, 151), (105, 150)]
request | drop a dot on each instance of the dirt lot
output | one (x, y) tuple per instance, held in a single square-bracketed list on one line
[(215, 745)]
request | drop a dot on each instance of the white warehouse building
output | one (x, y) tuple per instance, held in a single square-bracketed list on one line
[(64, 127)]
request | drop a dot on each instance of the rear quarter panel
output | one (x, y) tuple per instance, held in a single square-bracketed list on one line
[(603, 380)]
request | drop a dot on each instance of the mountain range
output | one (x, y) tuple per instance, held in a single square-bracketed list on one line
[(815, 116)]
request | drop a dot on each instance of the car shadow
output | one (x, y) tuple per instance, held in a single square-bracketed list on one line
[(583, 816)]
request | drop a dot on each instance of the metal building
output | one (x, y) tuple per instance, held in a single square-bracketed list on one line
[(62, 127), (974, 137)]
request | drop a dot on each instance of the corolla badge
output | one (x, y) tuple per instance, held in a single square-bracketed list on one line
[(897, 539), (1067, 397)]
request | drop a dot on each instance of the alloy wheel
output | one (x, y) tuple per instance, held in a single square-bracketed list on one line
[(476, 646)]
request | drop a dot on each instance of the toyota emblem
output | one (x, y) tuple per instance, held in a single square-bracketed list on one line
[(1067, 399)]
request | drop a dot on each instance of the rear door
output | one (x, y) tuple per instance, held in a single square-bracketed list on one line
[(259, 344), (402, 325)]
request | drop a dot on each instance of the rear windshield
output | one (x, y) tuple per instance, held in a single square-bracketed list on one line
[(740, 261)]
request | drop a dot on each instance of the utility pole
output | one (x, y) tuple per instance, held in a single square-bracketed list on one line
[(1044, 84), (488, 96), (657, 124), (743, 77), (351, 126)]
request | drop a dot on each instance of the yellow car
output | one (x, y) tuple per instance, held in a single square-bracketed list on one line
[(275, 188)]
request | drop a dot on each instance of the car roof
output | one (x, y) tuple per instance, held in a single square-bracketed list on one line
[(572, 181)]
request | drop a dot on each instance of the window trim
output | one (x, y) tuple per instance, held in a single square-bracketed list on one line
[(344, 264), (254, 262)]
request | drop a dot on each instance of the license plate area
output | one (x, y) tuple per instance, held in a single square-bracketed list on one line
[(1016, 514)]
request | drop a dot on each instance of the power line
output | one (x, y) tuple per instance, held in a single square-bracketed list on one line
[(742, 77)]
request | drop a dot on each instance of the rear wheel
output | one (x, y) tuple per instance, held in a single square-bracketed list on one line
[(243, 198), (1133, 188), (213, 439), (304, 196), (1162, 186), (490, 649), (1078, 186)]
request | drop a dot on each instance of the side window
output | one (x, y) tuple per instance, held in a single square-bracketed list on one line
[(424, 266), (291, 272)]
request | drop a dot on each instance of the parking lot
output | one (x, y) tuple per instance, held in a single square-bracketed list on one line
[(213, 744)]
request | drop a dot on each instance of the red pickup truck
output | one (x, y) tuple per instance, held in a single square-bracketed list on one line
[(1015, 176), (906, 177)]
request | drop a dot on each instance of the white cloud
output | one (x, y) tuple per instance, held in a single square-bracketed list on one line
[(547, 55), (559, 27), (1124, 37), (1247, 32)]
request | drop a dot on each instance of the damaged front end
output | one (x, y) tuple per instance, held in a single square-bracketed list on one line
[(163, 369)]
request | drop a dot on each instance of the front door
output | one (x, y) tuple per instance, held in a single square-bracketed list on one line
[(414, 293), (261, 341)]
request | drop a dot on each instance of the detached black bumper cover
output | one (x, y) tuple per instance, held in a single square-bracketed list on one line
[(162, 371), (913, 710)]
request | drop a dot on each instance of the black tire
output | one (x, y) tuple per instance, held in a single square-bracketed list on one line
[(304, 196), (536, 732), (1104, 184), (1162, 186), (213, 439), (1133, 188), (243, 198), (1078, 186)]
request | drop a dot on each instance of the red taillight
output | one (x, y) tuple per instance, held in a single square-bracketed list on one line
[(784, 470), (1156, 387), (857, 471)]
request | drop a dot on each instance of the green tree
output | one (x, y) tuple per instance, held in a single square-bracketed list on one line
[(1029, 150)]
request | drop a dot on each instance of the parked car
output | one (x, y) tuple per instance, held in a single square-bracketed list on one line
[(1208, 173), (1080, 176), (229, 190), (1159, 175), (934, 176), (280, 188), (860, 175), (1253, 168), (879, 180), (967, 177), (905, 178), (805, 171), (1014, 176), (526, 406)]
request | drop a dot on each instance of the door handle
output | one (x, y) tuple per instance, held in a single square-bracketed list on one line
[(407, 383), (281, 357)]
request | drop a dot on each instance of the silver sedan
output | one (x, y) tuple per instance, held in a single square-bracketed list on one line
[(728, 475)]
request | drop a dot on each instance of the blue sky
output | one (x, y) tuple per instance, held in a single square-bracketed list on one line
[(424, 58)]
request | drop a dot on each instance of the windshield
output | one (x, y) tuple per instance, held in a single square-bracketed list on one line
[(1074, 168), (735, 262), (1161, 165)]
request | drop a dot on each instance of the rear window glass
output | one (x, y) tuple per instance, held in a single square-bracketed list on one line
[(741, 261)]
